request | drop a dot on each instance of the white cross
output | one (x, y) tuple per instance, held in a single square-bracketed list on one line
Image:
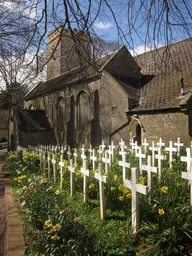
[(85, 172), (106, 161), (75, 155), (179, 145), (102, 179), (83, 156), (122, 144), (61, 164), (72, 170), (49, 164), (170, 149), (90, 149), (188, 176), (136, 189), (140, 156), (54, 167), (93, 159), (124, 164), (136, 147), (145, 145), (110, 152), (112, 148), (103, 145), (153, 149), (187, 159), (159, 158), (160, 143), (150, 169), (44, 161), (69, 154), (132, 144), (100, 151)]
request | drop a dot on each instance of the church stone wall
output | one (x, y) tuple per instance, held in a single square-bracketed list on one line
[(168, 126)]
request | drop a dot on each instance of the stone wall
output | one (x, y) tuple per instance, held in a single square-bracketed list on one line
[(168, 126), (36, 137), (3, 134)]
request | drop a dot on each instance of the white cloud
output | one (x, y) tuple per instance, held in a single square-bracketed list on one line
[(140, 49), (103, 25)]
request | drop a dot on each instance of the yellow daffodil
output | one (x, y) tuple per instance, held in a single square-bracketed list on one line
[(112, 188), (47, 222), (115, 177), (55, 237), (50, 226), (141, 180), (155, 206), (164, 189), (161, 212), (121, 198), (125, 191), (129, 196), (121, 187), (92, 185), (76, 219), (56, 228), (75, 165)]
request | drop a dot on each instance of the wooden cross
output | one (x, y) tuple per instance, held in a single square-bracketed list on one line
[(150, 169), (140, 156), (61, 164), (145, 145), (124, 164), (85, 172), (159, 158), (102, 179), (171, 149), (136, 189), (160, 144), (106, 161), (187, 159), (41, 159), (179, 145), (54, 162), (153, 149), (72, 169), (49, 164), (93, 159)]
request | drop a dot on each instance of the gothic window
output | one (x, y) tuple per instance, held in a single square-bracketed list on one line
[(82, 111), (60, 115)]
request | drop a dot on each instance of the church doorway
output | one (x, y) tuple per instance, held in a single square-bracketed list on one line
[(135, 131)]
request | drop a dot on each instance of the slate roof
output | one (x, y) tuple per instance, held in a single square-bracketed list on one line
[(73, 76), (163, 68), (4, 116), (33, 120)]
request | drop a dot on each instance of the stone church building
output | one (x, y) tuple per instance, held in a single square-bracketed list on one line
[(116, 96)]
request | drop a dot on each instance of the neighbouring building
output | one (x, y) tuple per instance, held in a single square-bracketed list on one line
[(113, 97)]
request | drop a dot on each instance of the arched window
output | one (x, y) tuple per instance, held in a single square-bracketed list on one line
[(60, 119), (82, 112)]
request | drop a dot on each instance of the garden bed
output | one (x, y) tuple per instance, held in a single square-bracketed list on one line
[(57, 224)]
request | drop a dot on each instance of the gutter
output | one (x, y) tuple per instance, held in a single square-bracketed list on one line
[(151, 111)]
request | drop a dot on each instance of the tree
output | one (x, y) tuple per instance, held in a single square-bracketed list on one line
[(152, 23)]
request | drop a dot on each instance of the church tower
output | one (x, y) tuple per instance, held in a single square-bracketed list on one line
[(69, 50)]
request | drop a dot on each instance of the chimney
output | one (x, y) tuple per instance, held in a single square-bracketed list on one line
[(182, 86)]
